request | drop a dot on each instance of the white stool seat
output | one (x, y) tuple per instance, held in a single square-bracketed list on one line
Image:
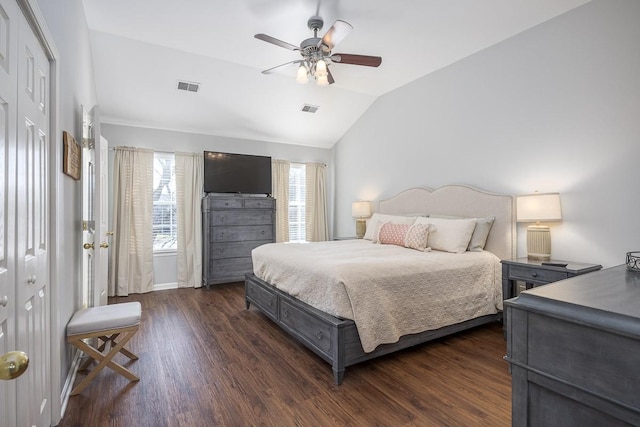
[(104, 318)]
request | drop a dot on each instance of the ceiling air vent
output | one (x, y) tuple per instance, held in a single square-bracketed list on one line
[(188, 86), (310, 108)]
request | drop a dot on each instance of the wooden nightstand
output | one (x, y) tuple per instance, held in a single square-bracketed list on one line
[(533, 273)]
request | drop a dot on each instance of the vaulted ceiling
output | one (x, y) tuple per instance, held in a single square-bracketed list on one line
[(142, 48)]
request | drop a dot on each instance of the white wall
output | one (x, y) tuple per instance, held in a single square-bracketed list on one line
[(67, 24), (556, 108), (165, 274)]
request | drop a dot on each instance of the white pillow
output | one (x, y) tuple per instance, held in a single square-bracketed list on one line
[(480, 233), (394, 219), (449, 235)]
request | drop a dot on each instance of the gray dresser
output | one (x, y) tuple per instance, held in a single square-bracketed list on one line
[(574, 351), (232, 226)]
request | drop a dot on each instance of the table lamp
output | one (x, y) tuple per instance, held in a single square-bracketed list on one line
[(360, 211), (538, 207)]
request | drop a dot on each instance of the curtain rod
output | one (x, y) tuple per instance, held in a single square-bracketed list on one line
[(173, 152), (155, 151), (303, 163)]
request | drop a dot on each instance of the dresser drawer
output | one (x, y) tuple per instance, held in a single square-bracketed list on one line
[(315, 331), (242, 233), (231, 268), (259, 203), (234, 249), (535, 275), (241, 217), (224, 203)]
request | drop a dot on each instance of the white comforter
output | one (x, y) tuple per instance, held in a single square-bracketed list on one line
[(388, 291)]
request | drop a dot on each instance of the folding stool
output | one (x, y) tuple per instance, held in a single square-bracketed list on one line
[(114, 325)]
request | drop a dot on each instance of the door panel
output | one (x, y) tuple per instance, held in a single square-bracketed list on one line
[(89, 239), (102, 219), (32, 262), (8, 119), (94, 205)]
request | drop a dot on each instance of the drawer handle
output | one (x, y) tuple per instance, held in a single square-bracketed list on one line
[(319, 335), (226, 204), (262, 231), (534, 274), (286, 313), (270, 302)]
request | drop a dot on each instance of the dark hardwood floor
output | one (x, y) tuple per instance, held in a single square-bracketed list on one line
[(206, 361)]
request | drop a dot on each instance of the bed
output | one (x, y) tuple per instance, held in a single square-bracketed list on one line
[(315, 291)]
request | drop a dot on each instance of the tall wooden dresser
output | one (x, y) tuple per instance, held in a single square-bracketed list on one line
[(232, 225), (574, 351)]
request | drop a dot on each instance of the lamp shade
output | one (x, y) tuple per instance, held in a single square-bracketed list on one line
[(302, 77), (538, 207), (361, 209)]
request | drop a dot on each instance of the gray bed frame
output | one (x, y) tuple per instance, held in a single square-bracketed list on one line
[(336, 340)]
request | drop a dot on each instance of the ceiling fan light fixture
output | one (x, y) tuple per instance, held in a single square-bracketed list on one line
[(316, 51), (302, 76), (322, 80), (321, 68)]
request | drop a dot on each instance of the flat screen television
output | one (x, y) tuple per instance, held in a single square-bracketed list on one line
[(236, 173)]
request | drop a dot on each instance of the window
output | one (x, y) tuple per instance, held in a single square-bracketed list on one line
[(297, 194), (165, 234)]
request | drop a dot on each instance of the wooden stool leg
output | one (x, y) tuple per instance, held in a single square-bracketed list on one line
[(104, 360), (112, 340)]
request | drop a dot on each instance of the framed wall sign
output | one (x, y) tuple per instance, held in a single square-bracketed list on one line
[(72, 157)]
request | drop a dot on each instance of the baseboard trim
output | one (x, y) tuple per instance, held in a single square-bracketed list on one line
[(164, 286), (68, 384)]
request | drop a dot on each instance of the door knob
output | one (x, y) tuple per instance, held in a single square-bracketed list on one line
[(88, 246), (13, 364), (104, 245), (4, 300), (109, 233)]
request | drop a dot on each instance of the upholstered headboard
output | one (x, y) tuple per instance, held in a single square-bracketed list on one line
[(464, 201)]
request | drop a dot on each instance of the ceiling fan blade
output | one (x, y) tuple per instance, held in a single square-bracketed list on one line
[(338, 31), (347, 58), (330, 77), (275, 41), (281, 65)]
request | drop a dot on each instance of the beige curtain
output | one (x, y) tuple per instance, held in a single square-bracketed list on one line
[(131, 269), (189, 181), (316, 203), (280, 185)]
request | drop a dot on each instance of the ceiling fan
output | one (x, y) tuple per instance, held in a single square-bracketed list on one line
[(316, 52)]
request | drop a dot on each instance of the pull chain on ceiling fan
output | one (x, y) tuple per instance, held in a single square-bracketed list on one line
[(316, 52)]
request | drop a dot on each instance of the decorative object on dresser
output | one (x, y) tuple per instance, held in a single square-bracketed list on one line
[(574, 350), (539, 207), (360, 211), (232, 226), (633, 261), (536, 273)]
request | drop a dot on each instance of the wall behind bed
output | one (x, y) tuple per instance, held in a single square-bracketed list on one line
[(555, 108)]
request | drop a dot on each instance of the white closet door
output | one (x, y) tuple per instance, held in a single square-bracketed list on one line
[(8, 146), (32, 234)]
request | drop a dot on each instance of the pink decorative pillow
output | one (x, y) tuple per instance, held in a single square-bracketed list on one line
[(410, 236), (393, 234)]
